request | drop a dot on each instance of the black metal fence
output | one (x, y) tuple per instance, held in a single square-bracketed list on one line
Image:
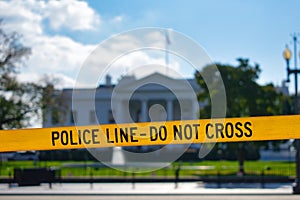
[(95, 173)]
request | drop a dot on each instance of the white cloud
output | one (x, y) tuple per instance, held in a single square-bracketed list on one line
[(142, 63), (50, 54), (124, 53), (75, 15), (58, 53), (62, 55), (27, 16), (118, 19), (62, 82), (19, 16)]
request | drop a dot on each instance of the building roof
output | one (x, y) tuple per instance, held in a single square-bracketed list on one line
[(155, 82)]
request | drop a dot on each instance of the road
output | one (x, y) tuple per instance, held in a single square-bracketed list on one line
[(153, 197)]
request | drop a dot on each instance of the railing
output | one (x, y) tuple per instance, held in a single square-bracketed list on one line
[(177, 172)]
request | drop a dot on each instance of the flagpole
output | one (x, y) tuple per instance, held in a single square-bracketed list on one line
[(167, 53)]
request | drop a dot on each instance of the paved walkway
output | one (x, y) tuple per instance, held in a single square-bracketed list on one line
[(146, 189)]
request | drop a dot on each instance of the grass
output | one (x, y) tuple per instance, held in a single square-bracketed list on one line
[(252, 168)]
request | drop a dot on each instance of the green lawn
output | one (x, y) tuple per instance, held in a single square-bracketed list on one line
[(214, 168)]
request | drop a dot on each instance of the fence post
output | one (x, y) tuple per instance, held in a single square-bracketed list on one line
[(10, 179), (91, 178), (219, 179), (177, 171), (133, 180), (262, 178)]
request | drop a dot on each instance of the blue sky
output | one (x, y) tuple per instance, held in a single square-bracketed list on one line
[(257, 30), (62, 34)]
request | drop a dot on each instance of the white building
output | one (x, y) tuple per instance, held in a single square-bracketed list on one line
[(132, 100), (153, 98)]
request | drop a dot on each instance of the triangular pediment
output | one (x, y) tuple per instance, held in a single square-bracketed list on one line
[(155, 81)]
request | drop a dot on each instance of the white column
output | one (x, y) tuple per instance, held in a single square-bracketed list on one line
[(170, 110), (144, 111), (195, 109), (117, 111)]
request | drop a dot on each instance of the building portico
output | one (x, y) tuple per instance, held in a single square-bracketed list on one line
[(153, 98), (145, 100)]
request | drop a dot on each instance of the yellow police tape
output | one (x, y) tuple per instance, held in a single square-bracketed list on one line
[(152, 133)]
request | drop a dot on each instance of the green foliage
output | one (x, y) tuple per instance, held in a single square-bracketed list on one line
[(17, 100), (51, 101), (245, 97), (218, 167)]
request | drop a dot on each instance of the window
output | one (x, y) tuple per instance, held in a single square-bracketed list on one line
[(111, 119), (73, 116), (93, 116)]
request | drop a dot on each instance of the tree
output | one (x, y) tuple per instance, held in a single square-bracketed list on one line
[(245, 97), (18, 101), (52, 102)]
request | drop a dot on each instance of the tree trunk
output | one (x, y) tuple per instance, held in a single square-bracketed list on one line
[(241, 155)]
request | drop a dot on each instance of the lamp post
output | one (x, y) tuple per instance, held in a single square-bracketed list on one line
[(287, 54)]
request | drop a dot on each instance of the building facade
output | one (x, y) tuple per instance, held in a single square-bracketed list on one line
[(153, 98)]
